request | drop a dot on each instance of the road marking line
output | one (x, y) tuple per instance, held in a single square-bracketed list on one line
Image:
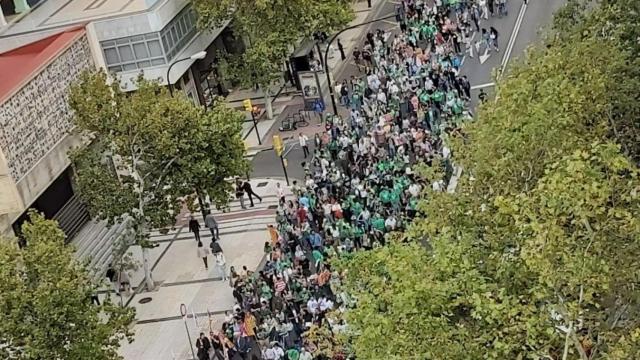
[(512, 39), (287, 151), (482, 86)]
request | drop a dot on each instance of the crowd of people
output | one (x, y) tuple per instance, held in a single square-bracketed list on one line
[(361, 183)]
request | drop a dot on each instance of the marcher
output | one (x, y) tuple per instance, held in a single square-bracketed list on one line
[(249, 191), (203, 344), (493, 36), (202, 253), (303, 140), (360, 184), (194, 227), (211, 223)]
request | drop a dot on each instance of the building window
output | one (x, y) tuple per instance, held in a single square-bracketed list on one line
[(179, 31), (133, 52)]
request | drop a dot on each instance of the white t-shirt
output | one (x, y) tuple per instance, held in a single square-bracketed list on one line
[(303, 140)]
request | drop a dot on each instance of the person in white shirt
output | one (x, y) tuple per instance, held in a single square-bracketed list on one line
[(390, 223), (312, 305), (303, 139), (221, 265), (280, 192), (414, 189), (305, 355)]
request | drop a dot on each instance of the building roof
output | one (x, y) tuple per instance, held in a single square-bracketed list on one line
[(19, 66)]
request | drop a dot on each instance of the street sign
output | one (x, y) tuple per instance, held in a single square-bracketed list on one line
[(277, 145), (247, 105)]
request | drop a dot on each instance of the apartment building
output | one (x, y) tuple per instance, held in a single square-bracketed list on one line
[(45, 44)]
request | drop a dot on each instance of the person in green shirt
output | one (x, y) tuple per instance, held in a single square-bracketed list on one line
[(293, 354), (438, 96), (318, 258), (385, 196), (356, 208), (377, 222)]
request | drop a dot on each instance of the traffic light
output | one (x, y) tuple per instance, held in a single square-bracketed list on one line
[(277, 145), (247, 105)]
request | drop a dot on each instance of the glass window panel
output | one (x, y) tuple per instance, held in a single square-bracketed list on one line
[(131, 66), (114, 69), (122, 41), (155, 62), (111, 56), (175, 36), (151, 36), (154, 48), (165, 43), (126, 53), (143, 64), (137, 38), (140, 50), (108, 43), (180, 29)]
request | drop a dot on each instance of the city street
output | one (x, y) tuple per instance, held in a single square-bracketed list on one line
[(517, 31)]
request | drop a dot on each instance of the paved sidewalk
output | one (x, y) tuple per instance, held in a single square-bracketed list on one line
[(159, 330)]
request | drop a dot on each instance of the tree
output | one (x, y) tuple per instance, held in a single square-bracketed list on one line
[(151, 152), (535, 255), (45, 296), (272, 28)]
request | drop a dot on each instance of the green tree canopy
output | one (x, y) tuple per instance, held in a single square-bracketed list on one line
[(45, 296), (536, 254), (151, 151), (273, 28)]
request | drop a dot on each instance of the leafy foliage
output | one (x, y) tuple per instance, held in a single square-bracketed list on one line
[(151, 150), (536, 254), (45, 300), (272, 27)]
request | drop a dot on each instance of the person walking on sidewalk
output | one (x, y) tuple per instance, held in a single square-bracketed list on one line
[(341, 49), (250, 193), (211, 223), (303, 139), (221, 265), (202, 253), (194, 227), (240, 193)]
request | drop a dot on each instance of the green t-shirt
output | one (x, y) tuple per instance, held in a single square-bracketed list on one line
[(394, 196), (438, 96), (385, 196), (293, 354), (317, 256), (378, 223), (356, 208)]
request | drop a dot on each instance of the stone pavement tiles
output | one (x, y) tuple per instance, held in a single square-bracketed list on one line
[(182, 279)]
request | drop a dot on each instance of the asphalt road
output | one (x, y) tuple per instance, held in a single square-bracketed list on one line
[(520, 28)]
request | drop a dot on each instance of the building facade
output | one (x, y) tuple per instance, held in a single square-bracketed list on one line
[(126, 38), (36, 125)]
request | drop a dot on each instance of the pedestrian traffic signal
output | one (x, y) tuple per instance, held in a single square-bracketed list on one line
[(247, 105), (277, 145)]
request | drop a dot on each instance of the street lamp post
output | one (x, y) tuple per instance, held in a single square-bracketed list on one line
[(183, 312), (197, 56), (326, 57)]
